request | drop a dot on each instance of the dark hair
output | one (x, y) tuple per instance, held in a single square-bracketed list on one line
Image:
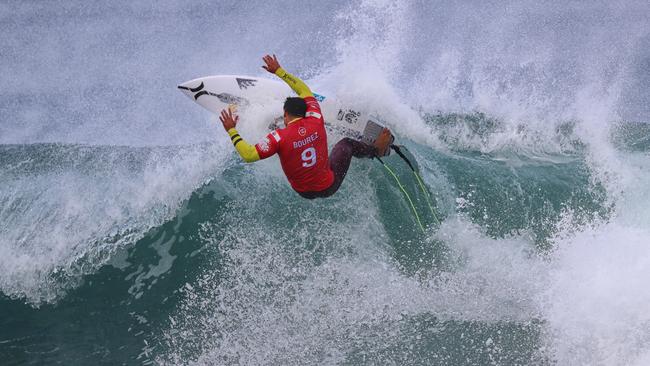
[(295, 106)]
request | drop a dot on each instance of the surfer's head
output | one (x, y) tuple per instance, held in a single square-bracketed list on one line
[(294, 108)]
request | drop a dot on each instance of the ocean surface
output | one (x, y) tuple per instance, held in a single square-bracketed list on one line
[(132, 234)]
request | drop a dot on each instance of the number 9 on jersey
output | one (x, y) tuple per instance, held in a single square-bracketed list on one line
[(308, 157)]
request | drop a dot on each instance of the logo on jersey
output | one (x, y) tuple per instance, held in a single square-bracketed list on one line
[(276, 136), (264, 144), (313, 114), (302, 131), (245, 83)]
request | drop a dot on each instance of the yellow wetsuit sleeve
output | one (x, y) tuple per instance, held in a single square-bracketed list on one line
[(246, 150), (295, 83)]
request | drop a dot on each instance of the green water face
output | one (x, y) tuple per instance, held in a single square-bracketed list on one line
[(113, 317)]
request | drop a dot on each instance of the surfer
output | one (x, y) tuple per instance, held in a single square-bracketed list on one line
[(302, 143)]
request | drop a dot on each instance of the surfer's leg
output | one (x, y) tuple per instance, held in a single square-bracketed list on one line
[(341, 156), (360, 149)]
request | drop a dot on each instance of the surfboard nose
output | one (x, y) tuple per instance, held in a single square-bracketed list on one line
[(187, 86), (192, 88)]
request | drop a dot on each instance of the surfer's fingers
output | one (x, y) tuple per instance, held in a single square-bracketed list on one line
[(270, 60)]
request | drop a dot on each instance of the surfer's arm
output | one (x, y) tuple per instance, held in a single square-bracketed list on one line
[(245, 150), (303, 91), (295, 83), (265, 148), (273, 66)]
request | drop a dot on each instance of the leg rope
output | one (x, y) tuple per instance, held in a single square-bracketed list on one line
[(418, 178), (408, 197)]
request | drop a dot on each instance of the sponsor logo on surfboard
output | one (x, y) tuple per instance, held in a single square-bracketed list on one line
[(245, 83), (229, 98), (198, 91), (193, 90), (348, 116), (223, 97)]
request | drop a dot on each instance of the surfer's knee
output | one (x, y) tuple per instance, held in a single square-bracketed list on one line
[(344, 144)]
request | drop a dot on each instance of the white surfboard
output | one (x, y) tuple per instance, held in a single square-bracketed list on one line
[(218, 92)]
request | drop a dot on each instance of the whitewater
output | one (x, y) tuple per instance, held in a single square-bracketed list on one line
[(132, 233)]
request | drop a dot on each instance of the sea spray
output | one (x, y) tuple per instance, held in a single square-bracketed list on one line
[(165, 247)]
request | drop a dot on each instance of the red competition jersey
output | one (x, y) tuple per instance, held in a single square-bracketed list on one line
[(302, 147)]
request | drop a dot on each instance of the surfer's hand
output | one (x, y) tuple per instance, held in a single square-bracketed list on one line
[(272, 64), (228, 120)]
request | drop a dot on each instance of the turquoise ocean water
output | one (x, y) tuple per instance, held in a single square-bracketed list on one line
[(131, 233)]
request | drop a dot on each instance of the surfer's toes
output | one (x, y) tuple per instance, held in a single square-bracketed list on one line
[(383, 142)]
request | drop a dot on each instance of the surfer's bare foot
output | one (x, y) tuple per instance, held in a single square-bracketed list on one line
[(383, 141)]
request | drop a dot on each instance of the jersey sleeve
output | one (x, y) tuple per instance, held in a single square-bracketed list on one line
[(303, 91), (294, 83), (313, 108), (269, 145), (245, 150)]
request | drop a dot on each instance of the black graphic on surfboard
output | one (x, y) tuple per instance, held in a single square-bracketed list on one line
[(245, 83), (223, 97)]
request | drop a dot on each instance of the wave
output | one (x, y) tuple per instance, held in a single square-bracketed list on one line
[(519, 117), (67, 208)]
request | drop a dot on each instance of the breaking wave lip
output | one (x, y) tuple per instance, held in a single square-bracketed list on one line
[(68, 208)]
